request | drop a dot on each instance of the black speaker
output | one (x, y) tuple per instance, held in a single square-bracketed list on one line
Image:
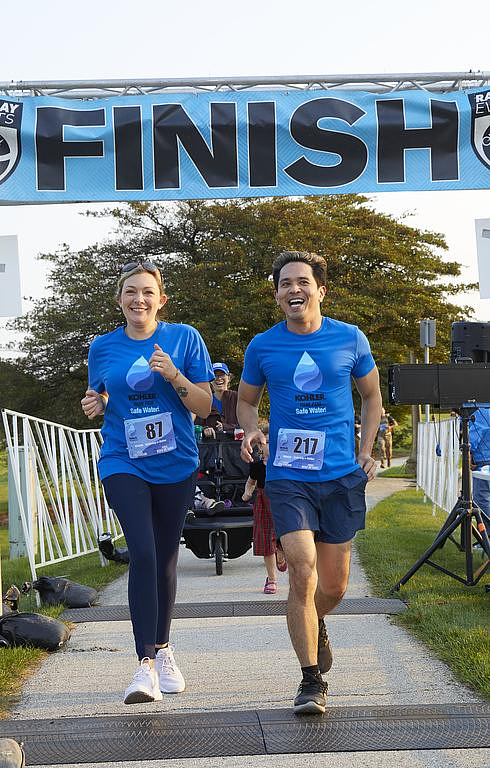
[(470, 341), (445, 386)]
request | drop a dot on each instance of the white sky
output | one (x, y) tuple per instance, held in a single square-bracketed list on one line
[(122, 39)]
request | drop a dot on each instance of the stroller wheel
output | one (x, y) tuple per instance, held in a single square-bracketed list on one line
[(218, 556)]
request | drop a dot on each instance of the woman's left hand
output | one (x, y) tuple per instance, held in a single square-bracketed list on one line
[(162, 363)]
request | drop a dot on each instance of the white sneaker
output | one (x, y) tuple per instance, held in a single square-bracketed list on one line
[(144, 686), (171, 678)]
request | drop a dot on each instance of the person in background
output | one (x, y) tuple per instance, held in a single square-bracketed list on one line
[(146, 378), (223, 409), (222, 418), (263, 537), (387, 426), (479, 430)]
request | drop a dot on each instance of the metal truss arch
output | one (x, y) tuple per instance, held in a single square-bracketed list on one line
[(436, 82)]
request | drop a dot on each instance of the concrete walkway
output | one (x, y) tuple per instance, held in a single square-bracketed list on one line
[(248, 663)]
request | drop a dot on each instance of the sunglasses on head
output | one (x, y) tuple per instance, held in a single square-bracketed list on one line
[(148, 265)]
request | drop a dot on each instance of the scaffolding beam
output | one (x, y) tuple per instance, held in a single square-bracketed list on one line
[(437, 82)]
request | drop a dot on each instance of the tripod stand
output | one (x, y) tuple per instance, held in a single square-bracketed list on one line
[(461, 515)]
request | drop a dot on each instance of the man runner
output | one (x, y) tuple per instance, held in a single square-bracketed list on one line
[(314, 483)]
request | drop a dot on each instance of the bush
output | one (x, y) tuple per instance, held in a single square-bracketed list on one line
[(402, 435)]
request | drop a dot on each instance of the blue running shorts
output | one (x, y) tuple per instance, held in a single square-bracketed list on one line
[(335, 509)]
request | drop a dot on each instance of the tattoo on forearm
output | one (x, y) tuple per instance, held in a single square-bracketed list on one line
[(182, 391)]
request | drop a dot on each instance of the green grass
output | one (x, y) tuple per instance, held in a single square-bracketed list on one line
[(17, 663), (85, 570), (450, 618), (400, 471)]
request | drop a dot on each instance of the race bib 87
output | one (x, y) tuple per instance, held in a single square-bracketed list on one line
[(150, 435)]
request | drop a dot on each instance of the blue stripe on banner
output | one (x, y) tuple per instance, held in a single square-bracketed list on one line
[(248, 144)]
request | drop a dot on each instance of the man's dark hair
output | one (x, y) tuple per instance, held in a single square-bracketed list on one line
[(317, 263)]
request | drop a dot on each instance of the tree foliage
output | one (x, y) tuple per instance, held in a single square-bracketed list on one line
[(216, 257), (19, 391)]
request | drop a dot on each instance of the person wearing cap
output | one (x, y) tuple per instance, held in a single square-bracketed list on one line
[(223, 409)]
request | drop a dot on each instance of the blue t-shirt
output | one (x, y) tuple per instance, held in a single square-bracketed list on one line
[(308, 377), (119, 365)]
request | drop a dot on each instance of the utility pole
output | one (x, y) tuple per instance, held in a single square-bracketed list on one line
[(411, 464), (427, 340)]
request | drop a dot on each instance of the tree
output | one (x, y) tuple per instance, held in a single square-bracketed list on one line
[(216, 258), (20, 391)]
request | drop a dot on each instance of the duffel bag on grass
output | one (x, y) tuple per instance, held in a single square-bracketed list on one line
[(55, 590), (33, 629)]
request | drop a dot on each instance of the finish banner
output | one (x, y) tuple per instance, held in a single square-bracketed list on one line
[(177, 146)]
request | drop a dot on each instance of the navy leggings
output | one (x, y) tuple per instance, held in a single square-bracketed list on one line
[(152, 517)]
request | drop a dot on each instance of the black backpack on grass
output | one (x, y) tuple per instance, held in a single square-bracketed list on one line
[(55, 590), (33, 629)]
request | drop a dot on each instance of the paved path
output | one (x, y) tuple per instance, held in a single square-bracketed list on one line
[(247, 663)]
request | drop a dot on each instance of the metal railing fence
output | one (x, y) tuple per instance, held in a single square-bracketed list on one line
[(438, 475), (56, 488)]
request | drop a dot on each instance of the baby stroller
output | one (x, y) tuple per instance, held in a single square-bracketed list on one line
[(229, 534)]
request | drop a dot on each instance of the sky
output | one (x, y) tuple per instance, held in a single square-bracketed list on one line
[(97, 40)]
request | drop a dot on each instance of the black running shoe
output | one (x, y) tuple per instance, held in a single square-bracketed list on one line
[(324, 648), (311, 698)]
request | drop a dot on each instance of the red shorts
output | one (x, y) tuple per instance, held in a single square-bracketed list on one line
[(264, 537)]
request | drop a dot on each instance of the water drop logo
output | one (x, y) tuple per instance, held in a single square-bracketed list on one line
[(307, 376), (140, 376)]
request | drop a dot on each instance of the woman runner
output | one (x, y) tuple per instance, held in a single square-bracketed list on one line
[(145, 378)]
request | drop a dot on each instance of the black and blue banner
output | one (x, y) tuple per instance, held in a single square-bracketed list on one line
[(176, 146)]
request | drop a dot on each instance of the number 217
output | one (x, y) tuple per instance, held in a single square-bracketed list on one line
[(309, 445)]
